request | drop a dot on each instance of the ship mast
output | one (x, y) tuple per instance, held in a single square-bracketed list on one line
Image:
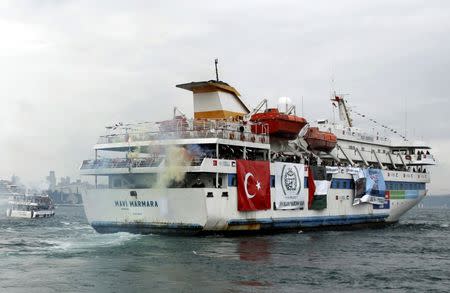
[(344, 114)]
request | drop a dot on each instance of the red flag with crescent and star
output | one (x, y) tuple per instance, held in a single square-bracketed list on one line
[(253, 185)]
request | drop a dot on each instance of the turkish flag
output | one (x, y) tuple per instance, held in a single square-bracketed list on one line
[(253, 185)]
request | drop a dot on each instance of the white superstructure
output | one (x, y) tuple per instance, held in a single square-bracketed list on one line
[(183, 176)]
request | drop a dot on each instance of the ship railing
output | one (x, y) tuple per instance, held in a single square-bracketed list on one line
[(120, 163), (131, 163), (419, 159), (187, 129)]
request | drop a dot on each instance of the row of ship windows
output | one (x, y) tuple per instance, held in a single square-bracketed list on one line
[(351, 147), (346, 184), (390, 185)]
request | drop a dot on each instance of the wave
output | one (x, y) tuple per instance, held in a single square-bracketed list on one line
[(425, 225), (91, 241)]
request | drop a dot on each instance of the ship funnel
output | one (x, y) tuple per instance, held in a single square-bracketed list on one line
[(215, 100)]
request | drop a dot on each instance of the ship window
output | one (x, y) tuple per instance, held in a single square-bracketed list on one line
[(117, 183), (232, 180), (344, 184), (272, 181), (134, 181), (362, 148)]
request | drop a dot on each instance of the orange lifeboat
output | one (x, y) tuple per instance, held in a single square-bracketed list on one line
[(280, 125), (320, 140)]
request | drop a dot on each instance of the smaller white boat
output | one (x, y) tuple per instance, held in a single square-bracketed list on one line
[(30, 206)]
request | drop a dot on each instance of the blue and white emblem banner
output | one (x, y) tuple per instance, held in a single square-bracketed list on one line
[(289, 180), (370, 187)]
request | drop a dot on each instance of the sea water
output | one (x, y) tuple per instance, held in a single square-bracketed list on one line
[(64, 254)]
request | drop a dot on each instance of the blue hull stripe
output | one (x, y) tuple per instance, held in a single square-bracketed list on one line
[(145, 228), (312, 221)]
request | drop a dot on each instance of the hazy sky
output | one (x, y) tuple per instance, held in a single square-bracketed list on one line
[(68, 68)]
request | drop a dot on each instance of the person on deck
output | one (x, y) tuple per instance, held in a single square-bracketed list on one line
[(198, 184)]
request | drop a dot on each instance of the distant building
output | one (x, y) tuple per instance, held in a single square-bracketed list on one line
[(5, 188), (66, 191), (51, 179), (8, 187)]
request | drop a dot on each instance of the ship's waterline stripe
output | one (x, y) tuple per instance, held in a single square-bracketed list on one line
[(145, 225), (311, 221)]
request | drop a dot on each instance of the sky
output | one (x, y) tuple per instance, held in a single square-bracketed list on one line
[(69, 68)]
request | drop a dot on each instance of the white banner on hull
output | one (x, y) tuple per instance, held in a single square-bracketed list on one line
[(289, 180), (369, 199)]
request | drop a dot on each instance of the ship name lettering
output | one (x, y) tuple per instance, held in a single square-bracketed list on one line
[(136, 203), (143, 203), (120, 203)]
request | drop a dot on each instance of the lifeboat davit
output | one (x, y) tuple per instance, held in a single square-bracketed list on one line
[(280, 125), (320, 140)]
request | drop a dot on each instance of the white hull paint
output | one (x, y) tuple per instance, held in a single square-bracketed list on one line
[(400, 206), (191, 210)]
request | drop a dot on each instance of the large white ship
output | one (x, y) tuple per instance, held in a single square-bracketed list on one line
[(233, 169)]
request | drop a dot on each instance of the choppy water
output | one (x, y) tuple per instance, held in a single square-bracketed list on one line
[(63, 254)]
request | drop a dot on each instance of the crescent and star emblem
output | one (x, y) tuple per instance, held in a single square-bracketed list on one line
[(258, 185)]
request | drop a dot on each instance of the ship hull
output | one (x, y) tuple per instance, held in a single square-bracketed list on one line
[(204, 211)]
